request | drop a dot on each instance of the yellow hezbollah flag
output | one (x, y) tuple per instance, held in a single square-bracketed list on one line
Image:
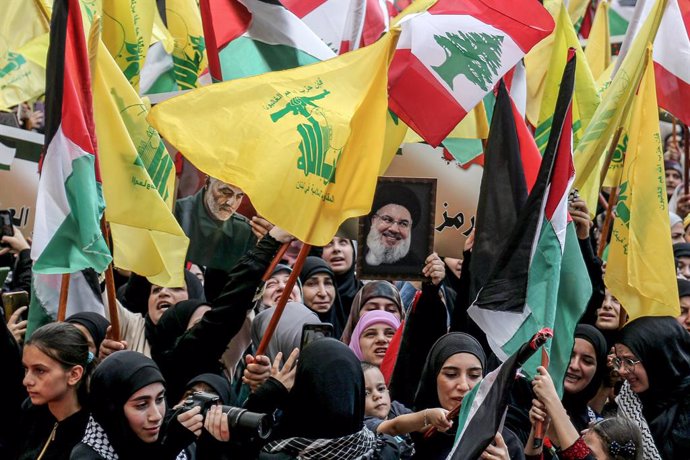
[(127, 27), (23, 52), (585, 97), (138, 180), (189, 55), (589, 154), (641, 270), (598, 49), (305, 144)]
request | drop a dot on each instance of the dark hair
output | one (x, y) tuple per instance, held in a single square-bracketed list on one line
[(64, 343), (621, 438)]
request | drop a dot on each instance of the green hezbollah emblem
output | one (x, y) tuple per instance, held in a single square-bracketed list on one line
[(619, 152), (475, 55), (622, 209), (14, 62), (316, 136)]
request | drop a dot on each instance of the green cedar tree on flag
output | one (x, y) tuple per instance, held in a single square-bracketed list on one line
[(67, 235), (250, 37), (540, 279), (451, 55)]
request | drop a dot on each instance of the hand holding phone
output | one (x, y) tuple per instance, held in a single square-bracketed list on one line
[(311, 332)]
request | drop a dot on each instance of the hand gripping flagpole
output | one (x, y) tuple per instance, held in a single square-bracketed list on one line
[(525, 352), (542, 336), (283, 298)]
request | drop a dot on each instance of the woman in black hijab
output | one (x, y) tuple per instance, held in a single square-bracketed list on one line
[(584, 375), (653, 356), (455, 364), (318, 286), (127, 409), (340, 254), (93, 325), (324, 412)]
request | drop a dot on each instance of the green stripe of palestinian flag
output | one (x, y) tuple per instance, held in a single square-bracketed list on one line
[(275, 39)]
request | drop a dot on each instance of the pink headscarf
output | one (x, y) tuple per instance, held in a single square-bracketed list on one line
[(370, 318)]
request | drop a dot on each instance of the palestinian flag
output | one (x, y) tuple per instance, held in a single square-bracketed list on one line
[(483, 409), (511, 163), (451, 55), (67, 235), (338, 23), (251, 37), (540, 279)]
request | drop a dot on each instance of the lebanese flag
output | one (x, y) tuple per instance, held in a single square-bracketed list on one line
[(671, 55), (67, 235), (250, 37), (376, 21), (339, 23), (450, 56)]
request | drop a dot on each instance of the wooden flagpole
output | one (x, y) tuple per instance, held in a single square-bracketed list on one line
[(276, 260), (64, 293), (110, 288), (283, 299)]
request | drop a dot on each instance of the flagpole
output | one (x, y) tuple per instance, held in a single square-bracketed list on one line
[(613, 196), (301, 257), (539, 425), (64, 291), (279, 255), (110, 288)]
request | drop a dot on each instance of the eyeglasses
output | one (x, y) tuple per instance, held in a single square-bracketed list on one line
[(627, 363), (388, 220)]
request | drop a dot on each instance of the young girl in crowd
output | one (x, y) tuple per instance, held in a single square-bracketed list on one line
[(384, 416), (127, 413), (454, 366), (372, 336), (57, 362), (608, 439), (376, 295)]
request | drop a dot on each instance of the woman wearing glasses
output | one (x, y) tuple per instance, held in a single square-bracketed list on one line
[(653, 356)]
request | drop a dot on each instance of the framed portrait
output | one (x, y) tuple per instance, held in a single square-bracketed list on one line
[(397, 235)]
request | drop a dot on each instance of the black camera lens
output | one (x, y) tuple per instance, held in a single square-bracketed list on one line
[(255, 423)]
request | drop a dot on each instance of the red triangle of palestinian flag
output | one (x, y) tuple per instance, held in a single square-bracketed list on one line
[(449, 57), (67, 235)]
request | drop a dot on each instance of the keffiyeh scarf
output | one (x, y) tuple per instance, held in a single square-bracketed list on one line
[(630, 407), (352, 447), (97, 439)]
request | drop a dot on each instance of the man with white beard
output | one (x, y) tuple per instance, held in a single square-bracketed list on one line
[(390, 236)]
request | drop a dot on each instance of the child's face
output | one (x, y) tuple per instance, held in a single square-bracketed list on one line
[(378, 401)]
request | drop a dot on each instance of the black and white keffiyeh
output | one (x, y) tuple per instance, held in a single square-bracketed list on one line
[(353, 447), (630, 407), (97, 439)]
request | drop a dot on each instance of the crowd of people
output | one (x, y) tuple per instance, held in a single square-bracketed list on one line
[(381, 379)]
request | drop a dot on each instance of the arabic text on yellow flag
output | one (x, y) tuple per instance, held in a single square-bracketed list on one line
[(23, 52), (589, 154), (305, 144), (598, 49), (138, 180), (641, 270), (127, 27), (189, 55)]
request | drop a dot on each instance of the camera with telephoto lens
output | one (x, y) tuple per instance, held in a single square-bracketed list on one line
[(240, 420)]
